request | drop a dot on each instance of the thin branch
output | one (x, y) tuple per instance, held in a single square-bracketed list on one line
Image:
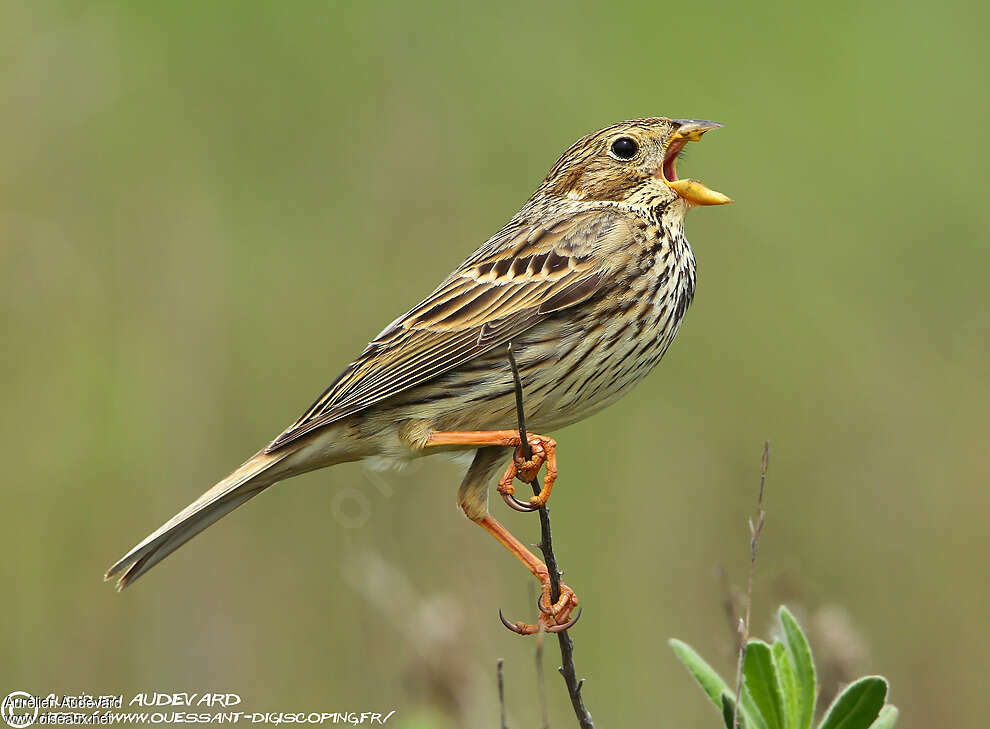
[(730, 599), (542, 682), (574, 685), (754, 547), (520, 410), (501, 694), (567, 669)]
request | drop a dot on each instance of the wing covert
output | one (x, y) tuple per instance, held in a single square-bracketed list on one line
[(516, 280)]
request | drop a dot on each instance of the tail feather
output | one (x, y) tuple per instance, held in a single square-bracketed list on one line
[(249, 480)]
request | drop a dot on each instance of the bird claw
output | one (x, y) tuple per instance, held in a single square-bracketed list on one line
[(558, 628), (544, 451), (550, 615), (522, 628), (513, 503)]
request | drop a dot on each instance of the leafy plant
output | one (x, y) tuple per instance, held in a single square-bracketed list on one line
[(779, 687)]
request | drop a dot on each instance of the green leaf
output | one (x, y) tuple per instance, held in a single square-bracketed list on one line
[(716, 689), (887, 718), (760, 677), (711, 683), (749, 716), (749, 709), (858, 706), (728, 712), (788, 683), (804, 667)]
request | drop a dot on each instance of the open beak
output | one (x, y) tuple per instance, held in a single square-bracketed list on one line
[(693, 191)]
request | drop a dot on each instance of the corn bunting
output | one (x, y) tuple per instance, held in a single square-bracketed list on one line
[(589, 281)]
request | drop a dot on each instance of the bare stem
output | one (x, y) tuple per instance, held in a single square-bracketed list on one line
[(755, 529), (501, 694), (542, 682), (567, 669), (520, 410)]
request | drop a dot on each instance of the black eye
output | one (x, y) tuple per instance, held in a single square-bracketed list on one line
[(625, 148)]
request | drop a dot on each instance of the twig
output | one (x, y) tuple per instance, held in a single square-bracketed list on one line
[(501, 694), (729, 601), (542, 682), (754, 547), (567, 669), (520, 410)]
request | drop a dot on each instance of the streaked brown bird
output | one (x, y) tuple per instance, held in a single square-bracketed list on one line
[(589, 281)]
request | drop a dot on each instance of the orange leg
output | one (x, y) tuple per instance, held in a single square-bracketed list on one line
[(554, 616), (544, 450)]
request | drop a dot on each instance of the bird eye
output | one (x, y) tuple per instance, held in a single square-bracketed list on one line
[(625, 148)]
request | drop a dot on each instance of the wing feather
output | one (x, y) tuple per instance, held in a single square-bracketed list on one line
[(516, 280)]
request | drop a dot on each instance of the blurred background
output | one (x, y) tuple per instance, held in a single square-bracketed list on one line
[(207, 209)]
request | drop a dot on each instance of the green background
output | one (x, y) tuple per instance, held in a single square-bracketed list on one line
[(207, 209)]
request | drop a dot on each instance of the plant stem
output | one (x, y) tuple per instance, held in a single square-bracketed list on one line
[(567, 669)]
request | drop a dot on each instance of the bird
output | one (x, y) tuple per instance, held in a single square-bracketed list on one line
[(588, 284)]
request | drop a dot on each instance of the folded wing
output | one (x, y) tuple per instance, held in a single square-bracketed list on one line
[(513, 282)]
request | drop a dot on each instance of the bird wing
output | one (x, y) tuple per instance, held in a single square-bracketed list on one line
[(514, 281)]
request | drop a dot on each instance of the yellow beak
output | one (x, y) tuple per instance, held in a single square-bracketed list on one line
[(693, 191)]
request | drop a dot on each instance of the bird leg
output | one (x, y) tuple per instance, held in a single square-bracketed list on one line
[(543, 450), (555, 616)]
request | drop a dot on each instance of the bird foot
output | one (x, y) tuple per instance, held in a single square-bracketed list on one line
[(554, 617), (543, 451)]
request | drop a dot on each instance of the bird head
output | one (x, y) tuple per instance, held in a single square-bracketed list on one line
[(633, 162)]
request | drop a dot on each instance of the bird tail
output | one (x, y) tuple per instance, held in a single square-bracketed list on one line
[(250, 479)]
